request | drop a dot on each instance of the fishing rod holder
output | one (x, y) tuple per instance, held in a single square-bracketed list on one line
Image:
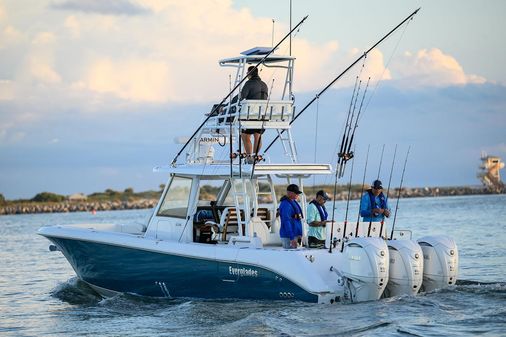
[(346, 156)]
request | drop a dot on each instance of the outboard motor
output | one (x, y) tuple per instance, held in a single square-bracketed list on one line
[(365, 270), (406, 268), (440, 262)]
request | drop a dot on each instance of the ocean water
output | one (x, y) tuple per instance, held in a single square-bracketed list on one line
[(40, 295)]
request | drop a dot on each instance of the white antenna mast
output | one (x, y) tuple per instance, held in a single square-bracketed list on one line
[(272, 39)]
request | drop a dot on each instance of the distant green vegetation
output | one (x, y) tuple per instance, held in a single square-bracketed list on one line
[(48, 197), (127, 195), (2, 199)]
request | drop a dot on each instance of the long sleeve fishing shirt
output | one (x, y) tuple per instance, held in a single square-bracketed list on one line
[(290, 214), (366, 207)]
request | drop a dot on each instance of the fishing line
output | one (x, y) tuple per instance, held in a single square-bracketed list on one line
[(409, 17), (174, 161), (388, 62), (372, 206), (399, 193), (388, 189), (362, 190), (316, 136)]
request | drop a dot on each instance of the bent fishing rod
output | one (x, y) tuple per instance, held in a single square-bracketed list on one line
[(216, 107), (399, 193), (343, 73)]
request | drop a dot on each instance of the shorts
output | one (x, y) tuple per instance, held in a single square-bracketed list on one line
[(315, 243), (252, 131)]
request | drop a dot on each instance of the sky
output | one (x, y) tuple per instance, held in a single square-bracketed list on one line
[(93, 93)]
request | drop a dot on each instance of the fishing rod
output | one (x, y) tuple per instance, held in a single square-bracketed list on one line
[(388, 188), (347, 203), (362, 190), (350, 154), (372, 206), (256, 156), (399, 194), (216, 107), (341, 150), (333, 211), (344, 72), (381, 160), (346, 155)]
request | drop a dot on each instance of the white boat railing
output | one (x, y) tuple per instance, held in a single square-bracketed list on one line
[(255, 114)]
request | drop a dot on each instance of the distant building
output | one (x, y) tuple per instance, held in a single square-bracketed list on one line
[(77, 197), (489, 173)]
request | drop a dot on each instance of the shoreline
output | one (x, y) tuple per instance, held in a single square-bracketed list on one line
[(27, 207)]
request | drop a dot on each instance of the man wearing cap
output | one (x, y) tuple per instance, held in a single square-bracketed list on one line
[(374, 204), (316, 218), (290, 214)]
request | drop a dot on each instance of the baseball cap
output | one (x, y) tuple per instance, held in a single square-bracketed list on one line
[(377, 185), (323, 194), (293, 188)]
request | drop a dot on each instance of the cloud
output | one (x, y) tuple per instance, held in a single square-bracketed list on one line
[(171, 56), (9, 36), (6, 90), (40, 59), (3, 13), (135, 80), (72, 24), (109, 7), (431, 67)]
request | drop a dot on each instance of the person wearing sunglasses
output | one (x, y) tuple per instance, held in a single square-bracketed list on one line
[(374, 204)]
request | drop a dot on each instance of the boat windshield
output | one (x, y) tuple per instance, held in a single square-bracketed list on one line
[(175, 202)]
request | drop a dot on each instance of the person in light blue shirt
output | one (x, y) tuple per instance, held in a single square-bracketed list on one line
[(374, 204), (316, 218)]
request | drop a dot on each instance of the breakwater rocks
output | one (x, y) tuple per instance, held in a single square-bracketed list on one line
[(90, 206), (84, 206), (421, 192)]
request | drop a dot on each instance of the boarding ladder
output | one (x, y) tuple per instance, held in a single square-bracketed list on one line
[(242, 201)]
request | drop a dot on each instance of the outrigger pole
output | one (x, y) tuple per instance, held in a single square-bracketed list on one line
[(399, 193), (216, 107), (342, 74)]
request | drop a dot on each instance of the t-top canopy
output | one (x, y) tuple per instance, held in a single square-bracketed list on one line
[(257, 51)]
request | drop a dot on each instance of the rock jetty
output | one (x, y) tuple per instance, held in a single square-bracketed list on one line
[(83, 206), (342, 194)]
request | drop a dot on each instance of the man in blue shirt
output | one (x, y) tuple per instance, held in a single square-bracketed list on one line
[(290, 214), (374, 204)]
